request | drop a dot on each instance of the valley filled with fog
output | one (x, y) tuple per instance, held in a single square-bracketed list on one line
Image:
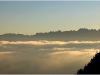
[(45, 57), (48, 37)]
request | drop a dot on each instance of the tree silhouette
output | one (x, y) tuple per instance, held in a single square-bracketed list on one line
[(93, 67)]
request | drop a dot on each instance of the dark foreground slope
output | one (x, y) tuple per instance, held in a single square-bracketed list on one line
[(93, 67)]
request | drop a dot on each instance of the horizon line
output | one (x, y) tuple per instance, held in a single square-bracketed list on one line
[(51, 31)]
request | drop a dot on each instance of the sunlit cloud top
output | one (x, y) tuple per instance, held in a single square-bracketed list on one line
[(44, 42)]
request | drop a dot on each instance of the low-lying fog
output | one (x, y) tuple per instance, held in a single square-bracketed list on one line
[(45, 57)]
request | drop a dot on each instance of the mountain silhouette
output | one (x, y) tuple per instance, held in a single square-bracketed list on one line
[(82, 34), (93, 67)]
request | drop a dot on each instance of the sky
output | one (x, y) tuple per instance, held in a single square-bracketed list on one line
[(30, 17)]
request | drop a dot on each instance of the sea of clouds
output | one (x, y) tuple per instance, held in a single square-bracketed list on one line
[(45, 57)]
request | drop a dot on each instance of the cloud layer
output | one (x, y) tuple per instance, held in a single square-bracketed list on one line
[(45, 57)]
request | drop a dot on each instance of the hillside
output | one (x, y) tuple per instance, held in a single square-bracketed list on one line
[(93, 67)]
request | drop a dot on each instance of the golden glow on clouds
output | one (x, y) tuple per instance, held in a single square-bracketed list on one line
[(33, 42), (77, 52), (6, 52), (49, 42), (45, 56)]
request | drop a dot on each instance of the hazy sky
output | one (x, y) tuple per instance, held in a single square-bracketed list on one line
[(29, 17)]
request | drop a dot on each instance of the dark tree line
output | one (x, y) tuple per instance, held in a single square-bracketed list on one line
[(93, 67)]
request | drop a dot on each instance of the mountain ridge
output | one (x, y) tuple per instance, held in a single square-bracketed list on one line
[(83, 34)]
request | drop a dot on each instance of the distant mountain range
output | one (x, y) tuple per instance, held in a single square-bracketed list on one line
[(82, 34)]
